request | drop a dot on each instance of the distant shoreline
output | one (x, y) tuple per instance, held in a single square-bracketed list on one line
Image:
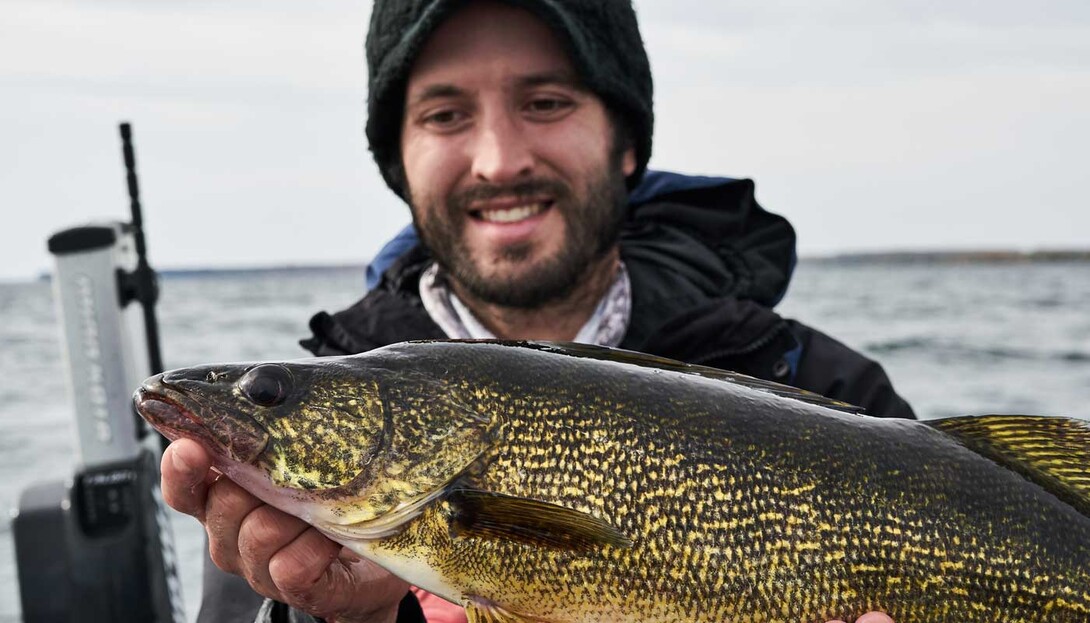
[(867, 257), (998, 256), (877, 257), (861, 258), (227, 271)]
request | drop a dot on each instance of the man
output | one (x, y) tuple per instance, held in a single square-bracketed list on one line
[(515, 131)]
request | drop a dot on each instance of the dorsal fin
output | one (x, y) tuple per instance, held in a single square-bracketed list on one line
[(1053, 452), (621, 355)]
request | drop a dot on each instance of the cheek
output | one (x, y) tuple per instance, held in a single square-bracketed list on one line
[(432, 167), (576, 147)]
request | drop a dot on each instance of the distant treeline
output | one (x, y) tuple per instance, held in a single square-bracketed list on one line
[(210, 272), (876, 257), (957, 257), (182, 273)]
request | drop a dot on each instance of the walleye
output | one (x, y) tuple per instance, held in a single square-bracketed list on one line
[(565, 483)]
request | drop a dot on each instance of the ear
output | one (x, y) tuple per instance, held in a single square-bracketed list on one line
[(628, 161)]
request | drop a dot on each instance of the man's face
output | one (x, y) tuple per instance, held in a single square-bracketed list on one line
[(514, 177)]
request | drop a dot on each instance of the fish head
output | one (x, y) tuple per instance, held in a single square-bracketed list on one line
[(335, 441)]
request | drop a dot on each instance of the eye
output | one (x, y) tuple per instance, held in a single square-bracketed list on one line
[(443, 116), (444, 119), (548, 107), (266, 385)]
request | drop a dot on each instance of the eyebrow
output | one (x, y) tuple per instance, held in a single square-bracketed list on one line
[(562, 78), (436, 91), (443, 90)]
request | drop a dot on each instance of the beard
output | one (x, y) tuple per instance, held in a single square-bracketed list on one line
[(592, 225)]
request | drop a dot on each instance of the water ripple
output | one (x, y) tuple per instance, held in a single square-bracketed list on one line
[(938, 347)]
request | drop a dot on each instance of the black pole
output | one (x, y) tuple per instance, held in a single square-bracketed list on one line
[(162, 577), (147, 290)]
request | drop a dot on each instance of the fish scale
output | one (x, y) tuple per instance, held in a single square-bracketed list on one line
[(570, 484)]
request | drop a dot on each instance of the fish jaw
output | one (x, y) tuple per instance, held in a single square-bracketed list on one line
[(236, 444), (165, 410), (175, 415), (298, 502)]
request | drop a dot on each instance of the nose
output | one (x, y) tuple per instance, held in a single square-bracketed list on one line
[(173, 377), (502, 151), (199, 376), (151, 384)]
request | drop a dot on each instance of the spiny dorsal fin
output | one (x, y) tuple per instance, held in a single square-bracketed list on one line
[(493, 515), (573, 349), (1053, 452)]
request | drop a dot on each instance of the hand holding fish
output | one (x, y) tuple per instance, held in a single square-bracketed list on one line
[(280, 556)]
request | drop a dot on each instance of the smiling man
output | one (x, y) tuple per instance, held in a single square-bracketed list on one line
[(519, 133), (515, 173)]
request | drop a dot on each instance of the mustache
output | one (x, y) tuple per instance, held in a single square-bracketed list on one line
[(523, 190)]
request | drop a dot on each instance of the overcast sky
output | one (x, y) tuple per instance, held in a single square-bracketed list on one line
[(871, 124)]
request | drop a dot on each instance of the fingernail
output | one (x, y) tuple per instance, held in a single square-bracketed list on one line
[(180, 464)]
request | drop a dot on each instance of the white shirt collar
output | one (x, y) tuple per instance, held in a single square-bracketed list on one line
[(605, 327)]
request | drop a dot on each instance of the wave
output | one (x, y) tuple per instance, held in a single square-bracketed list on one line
[(944, 348), (904, 344)]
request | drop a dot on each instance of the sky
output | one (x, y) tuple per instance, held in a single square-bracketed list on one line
[(870, 124)]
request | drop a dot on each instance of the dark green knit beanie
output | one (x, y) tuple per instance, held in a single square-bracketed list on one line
[(601, 36)]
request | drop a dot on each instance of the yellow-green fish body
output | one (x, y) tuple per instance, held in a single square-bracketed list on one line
[(566, 483)]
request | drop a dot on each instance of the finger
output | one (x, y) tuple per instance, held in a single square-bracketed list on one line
[(337, 582), (184, 468), (263, 533), (311, 576), (874, 617), (227, 506), (297, 568)]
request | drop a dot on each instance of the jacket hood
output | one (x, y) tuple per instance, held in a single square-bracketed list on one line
[(712, 233)]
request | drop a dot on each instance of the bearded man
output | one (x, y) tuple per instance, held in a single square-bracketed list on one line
[(519, 134)]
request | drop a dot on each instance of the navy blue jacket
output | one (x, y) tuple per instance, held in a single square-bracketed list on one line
[(707, 265)]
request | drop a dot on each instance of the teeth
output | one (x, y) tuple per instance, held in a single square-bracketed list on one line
[(511, 215)]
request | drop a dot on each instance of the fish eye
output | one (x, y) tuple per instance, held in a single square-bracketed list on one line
[(266, 385)]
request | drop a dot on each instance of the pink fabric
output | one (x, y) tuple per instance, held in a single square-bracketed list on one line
[(439, 610)]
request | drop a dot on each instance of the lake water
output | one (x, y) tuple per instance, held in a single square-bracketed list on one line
[(956, 339)]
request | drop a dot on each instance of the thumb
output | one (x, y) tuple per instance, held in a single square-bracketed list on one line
[(185, 474)]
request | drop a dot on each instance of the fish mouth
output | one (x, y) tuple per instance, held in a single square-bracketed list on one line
[(167, 415), (172, 413)]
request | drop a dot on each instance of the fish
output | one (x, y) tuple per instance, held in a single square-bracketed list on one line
[(564, 483)]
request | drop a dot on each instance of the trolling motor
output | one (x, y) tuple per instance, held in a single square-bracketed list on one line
[(99, 547)]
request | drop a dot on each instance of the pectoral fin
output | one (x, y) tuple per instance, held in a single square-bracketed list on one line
[(482, 514), (1053, 452), (481, 611)]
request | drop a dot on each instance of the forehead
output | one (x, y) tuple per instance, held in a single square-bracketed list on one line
[(489, 42)]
